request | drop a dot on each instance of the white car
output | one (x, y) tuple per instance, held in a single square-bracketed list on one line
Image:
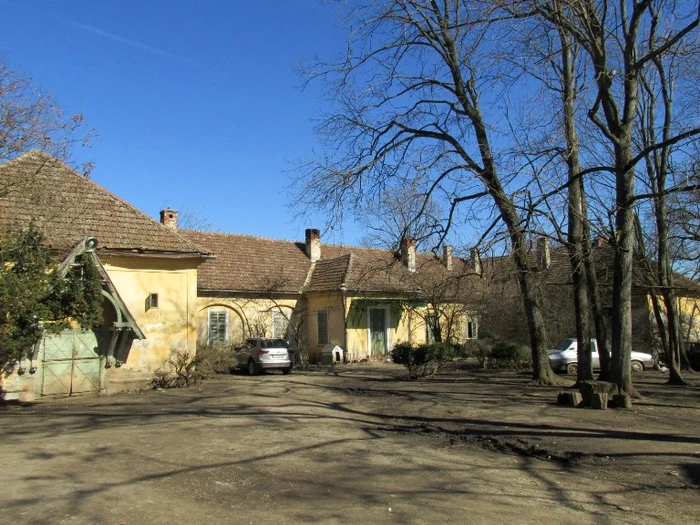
[(258, 354), (564, 357)]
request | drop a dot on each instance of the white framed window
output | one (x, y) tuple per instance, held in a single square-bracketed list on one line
[(471, 330), (280, 322), (218, 326), (322, 322)]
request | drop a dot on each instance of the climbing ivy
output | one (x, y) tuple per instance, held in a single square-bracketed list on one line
[(35, 299)]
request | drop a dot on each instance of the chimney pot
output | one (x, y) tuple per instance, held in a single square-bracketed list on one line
[(168, 217), (447, 257), (313, 244), (408, 254), (476, 260)]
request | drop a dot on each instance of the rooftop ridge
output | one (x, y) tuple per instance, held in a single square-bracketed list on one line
[(37, 155)]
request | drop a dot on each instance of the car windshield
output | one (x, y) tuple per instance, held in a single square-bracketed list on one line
[(274, 343), (564, 344)]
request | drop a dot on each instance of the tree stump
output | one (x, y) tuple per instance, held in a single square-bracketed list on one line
[(622, 401), (599, 401), (569, 399), (590, 389)]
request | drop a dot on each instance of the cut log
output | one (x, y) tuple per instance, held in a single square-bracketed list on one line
[(599, 401), (570, 399), (622, 401)]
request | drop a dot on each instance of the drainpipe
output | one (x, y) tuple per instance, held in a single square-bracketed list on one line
[(343, 295)]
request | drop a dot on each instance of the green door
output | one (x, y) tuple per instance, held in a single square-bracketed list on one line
[(70, 363), (377, 331)]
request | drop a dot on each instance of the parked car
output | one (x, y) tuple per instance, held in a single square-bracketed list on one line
[(258, 354), (564, 357)]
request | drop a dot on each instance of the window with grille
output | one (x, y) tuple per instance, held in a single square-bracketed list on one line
[(280, 323), (218, 327), (323, 327)]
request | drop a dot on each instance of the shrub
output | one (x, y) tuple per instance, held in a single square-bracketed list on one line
[(424, 360), (480, 349), (301, 357), (508, 355), (184, 369)]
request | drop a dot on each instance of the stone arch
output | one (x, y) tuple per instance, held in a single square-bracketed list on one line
[(235, 329)]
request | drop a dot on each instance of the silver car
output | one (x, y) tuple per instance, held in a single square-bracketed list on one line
[(564, 357), (258, 354)]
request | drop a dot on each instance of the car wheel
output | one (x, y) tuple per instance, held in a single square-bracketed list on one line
[(572, 368), (252, 368), (286, 371), (637, 367)]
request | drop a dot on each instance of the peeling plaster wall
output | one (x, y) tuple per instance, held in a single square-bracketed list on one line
[(247, 317), (171, 326)]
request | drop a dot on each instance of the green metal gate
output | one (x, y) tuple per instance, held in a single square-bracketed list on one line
[(70, 363)]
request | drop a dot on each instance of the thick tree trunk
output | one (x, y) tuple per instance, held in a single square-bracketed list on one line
[(596, 303), (576, 213), (623, 272), (542, 373)]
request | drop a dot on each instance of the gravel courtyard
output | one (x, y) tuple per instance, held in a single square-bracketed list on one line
[(357, 444)]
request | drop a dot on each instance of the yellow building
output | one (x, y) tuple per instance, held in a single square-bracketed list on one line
[(149, 278), (362, 300)]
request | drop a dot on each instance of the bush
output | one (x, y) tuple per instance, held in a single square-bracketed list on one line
[(480, 349), (508, 355), (184, 369), (424, 360)]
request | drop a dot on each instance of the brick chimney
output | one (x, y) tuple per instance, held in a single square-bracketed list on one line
[(313, 244), (476, 260), (168, 218), (447, 257), (543, 256), (408, 254)]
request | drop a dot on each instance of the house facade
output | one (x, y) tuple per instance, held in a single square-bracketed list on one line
[(362, 300), (149, 276)]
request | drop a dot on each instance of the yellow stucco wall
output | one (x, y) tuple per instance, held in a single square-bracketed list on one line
[(169, 328), (404, 324), (247, 317), (689, 309), (333, 304)]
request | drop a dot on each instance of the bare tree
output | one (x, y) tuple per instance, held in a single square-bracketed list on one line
[(397, 215), (621, 40), (409, 94), (31, 119)]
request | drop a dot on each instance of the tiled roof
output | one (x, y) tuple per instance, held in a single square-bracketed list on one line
[(330, 274), (246, 263), (250, 264), (67, 207), (559, 273)]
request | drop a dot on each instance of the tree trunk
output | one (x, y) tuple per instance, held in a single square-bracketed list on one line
[(576, 213), (623, 272)]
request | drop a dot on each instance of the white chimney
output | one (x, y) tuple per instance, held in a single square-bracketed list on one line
[(476, 260), (447, 257), (313, 244), (408, 254)]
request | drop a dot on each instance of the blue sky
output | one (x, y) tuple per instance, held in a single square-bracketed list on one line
[(197, 103)]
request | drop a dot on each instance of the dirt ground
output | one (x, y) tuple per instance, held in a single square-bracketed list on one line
[(354, 444)]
